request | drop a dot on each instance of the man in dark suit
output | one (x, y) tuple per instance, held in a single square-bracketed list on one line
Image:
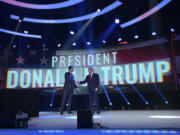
[(93, 86), (69, 86)]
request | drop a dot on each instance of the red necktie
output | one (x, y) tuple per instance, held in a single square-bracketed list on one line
[(90, 77)]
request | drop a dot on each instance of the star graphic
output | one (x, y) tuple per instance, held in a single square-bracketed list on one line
[(33, 53), (44, 60), (20, 60)]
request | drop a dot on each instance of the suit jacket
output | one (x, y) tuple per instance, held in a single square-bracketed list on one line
[(69, 81), (93, 83)]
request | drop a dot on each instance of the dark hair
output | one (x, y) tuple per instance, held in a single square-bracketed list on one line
[(70, 67)]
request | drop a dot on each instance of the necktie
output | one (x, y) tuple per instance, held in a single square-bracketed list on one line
[(90, 77)]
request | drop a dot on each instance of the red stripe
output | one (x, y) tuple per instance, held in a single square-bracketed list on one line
[(143, 54)]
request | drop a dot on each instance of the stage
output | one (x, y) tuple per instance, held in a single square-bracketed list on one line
[(118, 56), (145, 119), (153, 122)]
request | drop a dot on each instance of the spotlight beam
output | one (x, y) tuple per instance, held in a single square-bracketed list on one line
[(53, 95), (79, 33), (122, 94), (104, 88), (141, 96), (160, 94), (107, 32)]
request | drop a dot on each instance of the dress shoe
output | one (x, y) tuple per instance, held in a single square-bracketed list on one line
[(93, 111), (61, 113), (70, 112), (98, 112)]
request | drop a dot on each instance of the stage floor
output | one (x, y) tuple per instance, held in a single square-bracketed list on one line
[(165, 119), (89, 132)]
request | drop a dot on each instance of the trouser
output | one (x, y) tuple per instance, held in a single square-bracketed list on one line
[(93, 100), (67, 95)]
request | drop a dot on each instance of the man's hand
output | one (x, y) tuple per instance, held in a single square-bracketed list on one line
[(96, 89), (78, 89)]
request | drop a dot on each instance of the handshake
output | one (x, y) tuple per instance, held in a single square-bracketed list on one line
[(77, 83)]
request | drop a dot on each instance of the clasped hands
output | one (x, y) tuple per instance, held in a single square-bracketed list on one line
[(78, 83)]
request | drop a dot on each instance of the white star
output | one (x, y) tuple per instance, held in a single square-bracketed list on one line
[(44, 60), (20, 60)]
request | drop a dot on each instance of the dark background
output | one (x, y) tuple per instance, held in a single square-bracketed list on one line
[(53, 34)]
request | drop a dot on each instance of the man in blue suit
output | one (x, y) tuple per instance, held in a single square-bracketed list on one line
[(93, 86), (69, 86)]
